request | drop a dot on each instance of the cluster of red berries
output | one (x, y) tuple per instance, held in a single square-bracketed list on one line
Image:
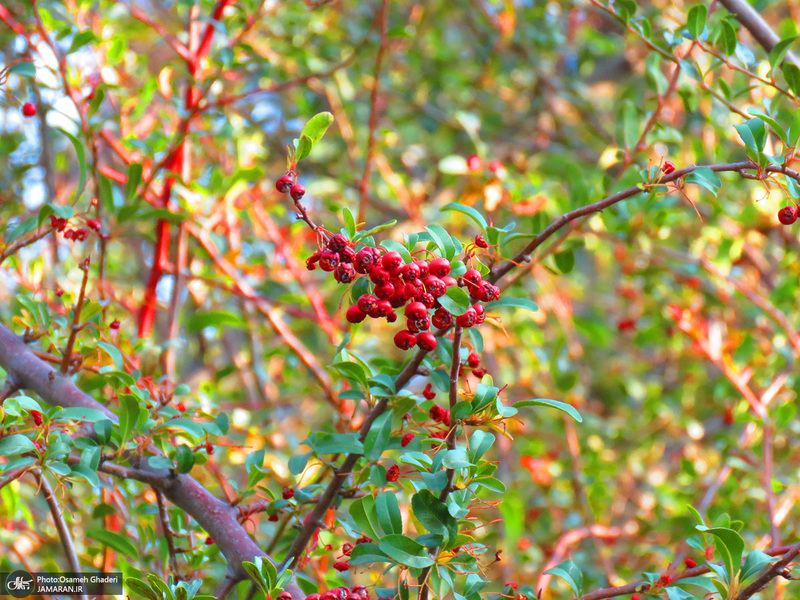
[(58, 223), (78, 235), (416, 285), (358, 592), (289, 184), (788, 214)]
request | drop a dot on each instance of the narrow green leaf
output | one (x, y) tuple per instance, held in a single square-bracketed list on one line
[(184, 457), (115, 541), (139, 587), (134, 179), (779, 50), (349, 222), (304, 146), (569, 572), (525, 303), (696, 21), (557, 404), (128, 415), (389, 513), (405, 551), (731, 547), (565, 260), (23, 69), (706, 178), (114, 353), (469, 211), (82, 175), (455, 300), (726, 42), (80, 40)]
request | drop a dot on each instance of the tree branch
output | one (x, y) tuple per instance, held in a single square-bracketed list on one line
[(756, 25)]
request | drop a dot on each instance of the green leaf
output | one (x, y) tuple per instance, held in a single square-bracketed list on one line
[(434, 516), (349, 222), (22, 229), (755, 562), (298, 462), (565, 260), (86, 473), (14, 444), (184, 457), (395, 246), (731, 547), (779, 50), (791, 73), (304, 146), (115, 541), (363, 513), (378, 437), (630, 125), (367, 553), (377, 229), (334, 443), (389, 513), (557, 404), (214, 318), (525, 303), (405, 551), (134, 179), (705, 177), (23, 69), (469, 211), (316, 127), (128, 415), (97, 99), (772, 123), (726, 42), (139, 587), (455, 300), (479, 443), (80, 40), (442, 240), (569, 572), (114, 353), (456, 459), (82, 175), (696, 21), (188, 426), (79, 413)]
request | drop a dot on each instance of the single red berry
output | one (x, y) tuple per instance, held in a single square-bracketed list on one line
[(344, 273), (690, 563), (180, 407), (480, 241), (427, 341), (328, 596), (393, 473), (284, 184), (28, 109), (392, 261), (337, 243), (479, 372), (480, 313), (94, 224), (284, 596), (297, 191), (474, 163), (473, 360), (410, 272), (416, 311), (787, 215), (313, 597), (37, 445), (347, 548), (114, 325), (287, 493), (436, 413), (363, 260), (467, 319), (427, 299), (347, 254), (413, 288), (273, 518), (385, 290), (449, 281), (406, 439), (341, 566), (367, 303), (37, 417), (472, 277), (328, 260), (439, 267), (209, 541), (391, 317), (636, 597), (379, 275), (382, 309), (497, 167), (626, 325), (428, 392), (405, 339), (355, 314), (209, 448), (668, 167), (58, 292), (424, 268), (442, 319), (434, 286)]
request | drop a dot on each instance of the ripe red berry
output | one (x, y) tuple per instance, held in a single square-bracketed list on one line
[(385, 290), (347, 548), (636, 597), (28, 109), (787, 215), (297, 191), (434, 286), (344, 273), (472, 277), (367, 303), (355, 314), (379, 275), (180, 407), (416, 311), (37, 417), (668, 167), (284, 596), (480, 241), (209, 448), (393, 473), (363, 260), (405, 339), (479, 372), (313, 597), (406, 439), (341, 566), (436, 413), (273, 518), (337, 243), (480, 313), (284, 184), (392, 261), (424, 268), (467, 319), (428, 392), (497, 167), (347, 254), (427, 341), (690, 563), (382, 309), (474, 163), (410, 272), (391, 317), (439, 267), (473, 360), (94, 224), (209, 541), (449, 281), (287, 493), (114, 325), (442, 319), (328, 260)]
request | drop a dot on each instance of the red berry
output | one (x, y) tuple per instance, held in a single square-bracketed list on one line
[(424, 268), (367, 303), (94, 224), (328, 260), (393, 473), (473, 277), (496, 167), (114, 325), (379, 276), (337, 243), (28, 109), (297, 191), (479, 372), (313, 597), (344, 273), (209, 541), (406, 439), (383, 309), (405, 340), (474, 163), (439, 267), (668, 167), (626, 324), (427, 341), (363, 260), (385, 290), (787, 215), (410, 272), (209, 448), (392, 261), (428, 392), (341, 566), (690, 563), (442, 319), (347, 548), (636, 597), (273, 518), (355, 314), (435, 286), (391, 317), (436, 413), (473, 360), (180, 407), (449, 281), (480, 313), (37, 417), (347, 254), (467, 319), (416, 311), (480, 241), (284, 184), (284, 596), (287, 493)]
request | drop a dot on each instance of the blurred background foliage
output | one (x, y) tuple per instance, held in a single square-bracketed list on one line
[(560, 94)]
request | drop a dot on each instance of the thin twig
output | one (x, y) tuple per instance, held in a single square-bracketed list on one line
[(73, 332), (163, 515)]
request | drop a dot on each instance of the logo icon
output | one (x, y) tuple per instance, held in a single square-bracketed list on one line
[(20, 584)]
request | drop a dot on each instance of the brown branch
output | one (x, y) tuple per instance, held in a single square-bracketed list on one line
[(770, 573), (163, 515), (73, 332), (21, 243)]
